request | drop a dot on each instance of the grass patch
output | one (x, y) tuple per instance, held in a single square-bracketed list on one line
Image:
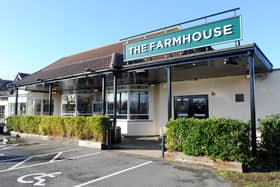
[(254, 179)]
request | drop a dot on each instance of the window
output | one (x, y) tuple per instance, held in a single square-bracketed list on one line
[(239, 97), (132, 102), (84, 105), (97, 104), (68, 104), (182, 106), (139, 105), (191, 106), (2, 112), (46, 107), (11, 109), (37, 107), (122, 99), (22, 109)]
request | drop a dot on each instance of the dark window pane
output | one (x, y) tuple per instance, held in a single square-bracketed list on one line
[(68, 104), (84, 105), (182, 107), (239, 97), (139, 102), (200, 107)]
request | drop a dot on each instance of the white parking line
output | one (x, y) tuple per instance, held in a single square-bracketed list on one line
[(45, 154), (113, 174), (20, 163), (55, 157), (9, 147), (48, 162)]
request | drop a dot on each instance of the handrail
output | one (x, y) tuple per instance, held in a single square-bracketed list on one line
[(185, 22)]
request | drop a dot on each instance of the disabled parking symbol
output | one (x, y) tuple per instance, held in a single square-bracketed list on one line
[(37, 179)]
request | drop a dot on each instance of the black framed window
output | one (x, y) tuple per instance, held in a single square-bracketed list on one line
[(139, 105), (2, 112), (191, 106)]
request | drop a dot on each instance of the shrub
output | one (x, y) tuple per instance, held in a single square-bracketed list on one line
[(13, 123), (78, 126), (177, 131), (74, 126), (270, 134), (96, 128), (52, 125), (225, 139)]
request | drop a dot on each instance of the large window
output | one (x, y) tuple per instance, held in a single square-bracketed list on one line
[(2, 112), (132, 102), (37, 107), (84, 104), (122, 98), (21, 110), (97, 103), (68, 104), (139, 105), (191, 106)]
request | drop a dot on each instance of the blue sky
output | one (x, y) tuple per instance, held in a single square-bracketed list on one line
[(35, 33)]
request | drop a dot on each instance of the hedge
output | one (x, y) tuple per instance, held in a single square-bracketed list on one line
[(270, 134), (225, 139), (90, 128)]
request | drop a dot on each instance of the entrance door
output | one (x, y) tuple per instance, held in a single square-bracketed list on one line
[(191, 106)]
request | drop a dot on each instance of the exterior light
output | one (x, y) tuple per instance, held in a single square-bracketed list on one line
[(89, 70), (140, 71), (95, 90), (230, 61)]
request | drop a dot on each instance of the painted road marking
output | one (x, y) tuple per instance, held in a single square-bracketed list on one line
[(48, 162), (46, 154), (113, 174), (55, 157), (38, 178), (9, 147), (20, 163)]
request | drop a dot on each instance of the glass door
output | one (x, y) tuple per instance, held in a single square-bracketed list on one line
[(191, 106)]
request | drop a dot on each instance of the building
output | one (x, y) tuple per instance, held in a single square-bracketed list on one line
[(145, 80), (3, 102)]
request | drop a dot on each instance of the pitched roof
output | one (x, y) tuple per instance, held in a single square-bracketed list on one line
[(103, 58)]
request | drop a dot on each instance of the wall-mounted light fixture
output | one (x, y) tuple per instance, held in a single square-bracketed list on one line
[(230, 60), (89, 70), (247, 74)]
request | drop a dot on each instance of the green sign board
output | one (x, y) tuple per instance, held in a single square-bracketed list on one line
[(222, 31)]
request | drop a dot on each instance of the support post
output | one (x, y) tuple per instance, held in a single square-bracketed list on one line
[(169, 90), (115, 85), (169, 105), (16, 102), (252, 102), (50, 99), (104, 95)]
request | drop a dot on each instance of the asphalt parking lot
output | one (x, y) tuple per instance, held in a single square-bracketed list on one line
[(56, 163)]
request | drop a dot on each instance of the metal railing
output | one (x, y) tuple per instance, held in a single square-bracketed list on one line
[(184, 22)]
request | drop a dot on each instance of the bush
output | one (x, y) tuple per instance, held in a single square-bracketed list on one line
[(51, 125), (270, 134), (224, 139), (74, 127), (94, 130)]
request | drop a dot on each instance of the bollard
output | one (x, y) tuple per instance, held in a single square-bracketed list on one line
[(163, 146)]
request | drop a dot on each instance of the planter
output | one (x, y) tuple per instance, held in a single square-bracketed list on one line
[(27, 135), (204, 161), (81, 143), (90, 144)]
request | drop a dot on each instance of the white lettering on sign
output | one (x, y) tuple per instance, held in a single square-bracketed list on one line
[(182, 39), (37, 179)]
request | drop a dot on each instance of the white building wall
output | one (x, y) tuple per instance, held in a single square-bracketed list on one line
[(221, 96)]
